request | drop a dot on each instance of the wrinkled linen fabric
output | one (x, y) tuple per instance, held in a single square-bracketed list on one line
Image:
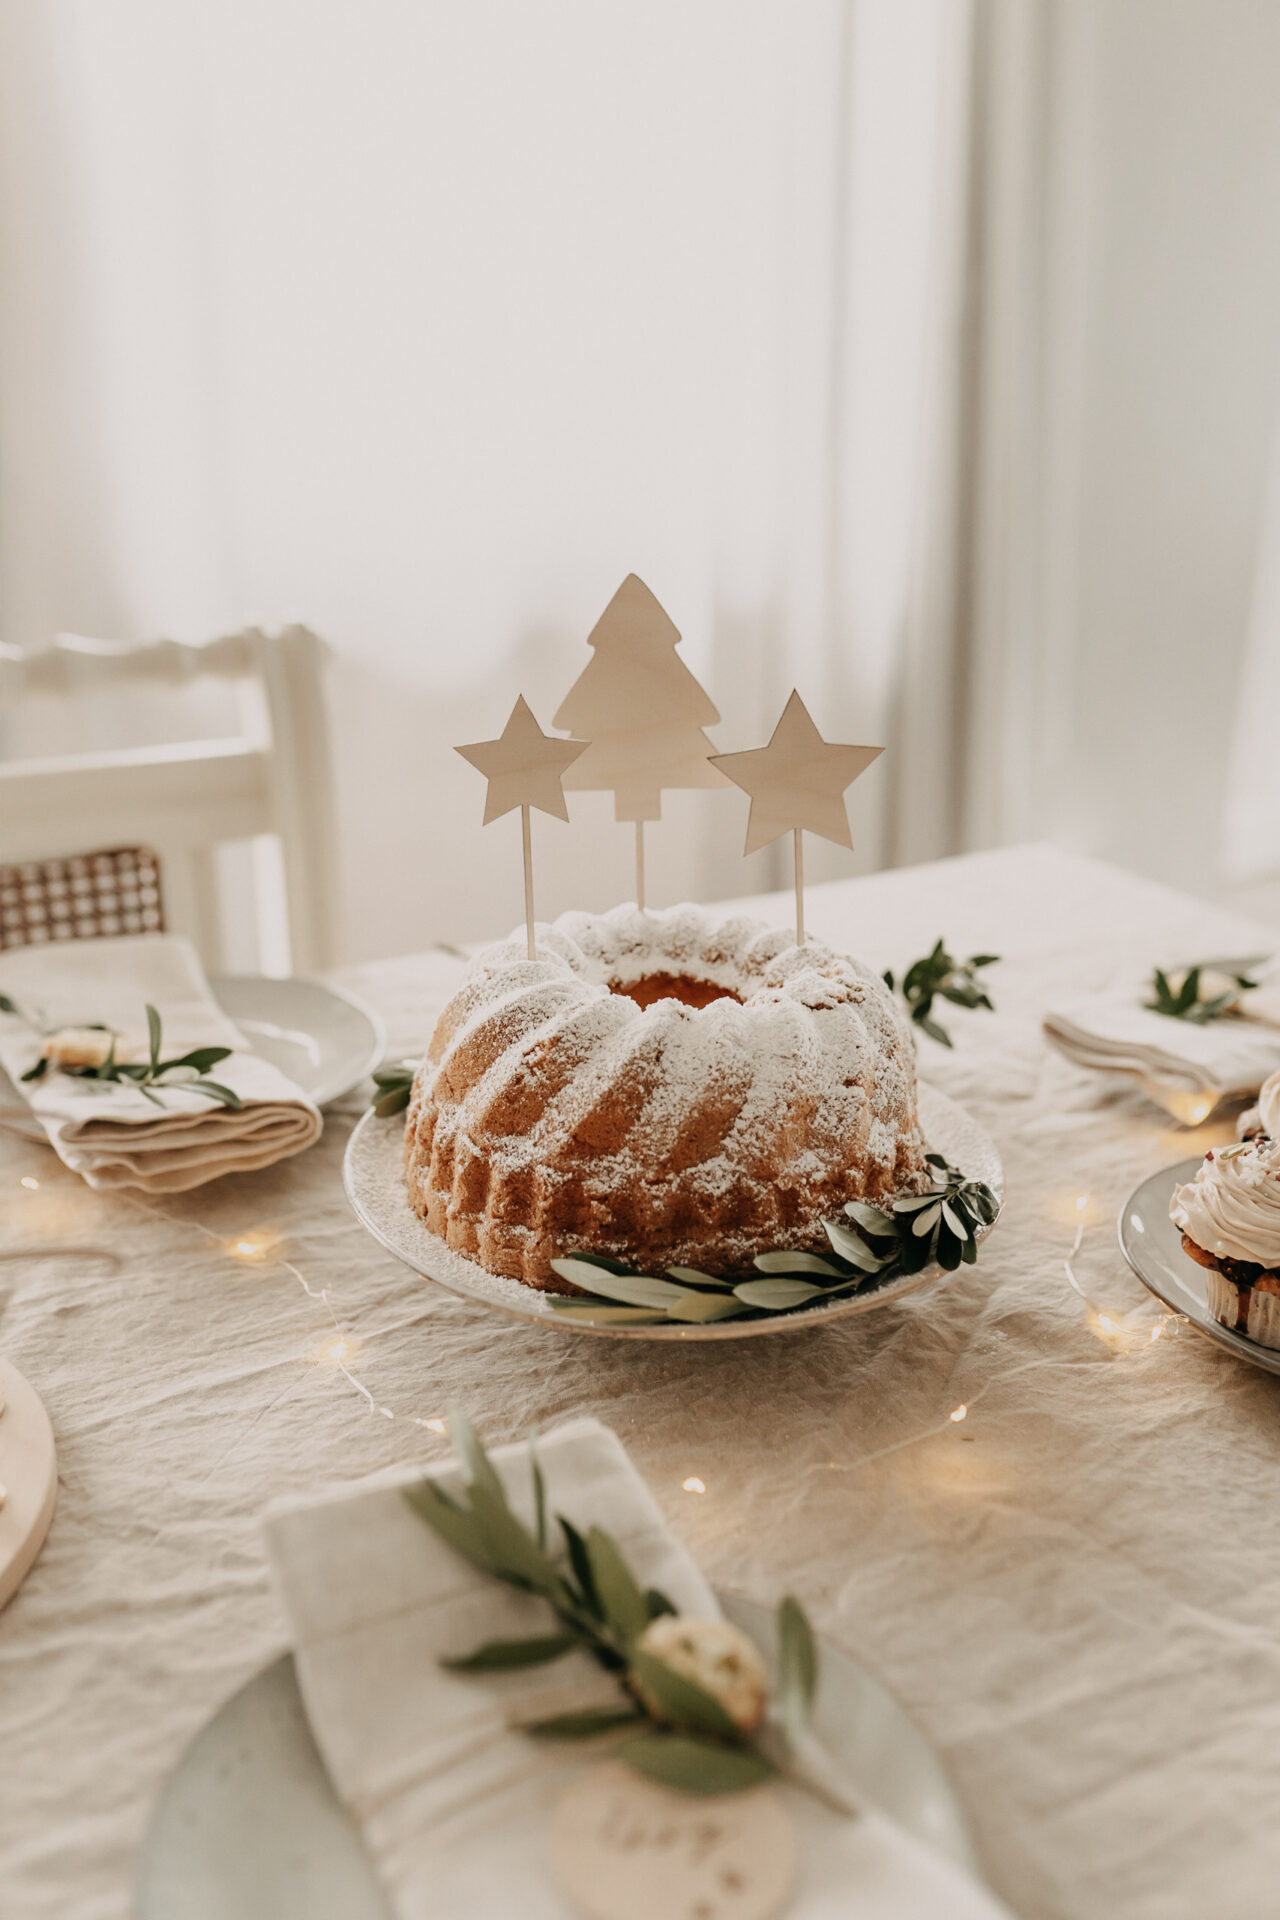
[(112, 1134), (1074, 1590), (454, 1803)]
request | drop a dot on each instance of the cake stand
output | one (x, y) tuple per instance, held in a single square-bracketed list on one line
[(373, 1174)]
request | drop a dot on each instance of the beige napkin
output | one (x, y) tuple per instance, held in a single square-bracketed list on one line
[(454, 1804), (110, 1132), (1117, 1032)]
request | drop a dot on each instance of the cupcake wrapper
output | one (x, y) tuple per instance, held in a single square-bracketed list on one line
[(1224, 1300), (1264, 1318)]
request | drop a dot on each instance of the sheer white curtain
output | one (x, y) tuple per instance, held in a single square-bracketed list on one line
[(426, 323)]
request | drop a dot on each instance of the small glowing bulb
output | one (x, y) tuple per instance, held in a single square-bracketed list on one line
[(1082, 1203), (30, 1184), (693, 1484), (959, 1413), (436, 1426), (337, 1349), (252, 1246), (1107, 1324)]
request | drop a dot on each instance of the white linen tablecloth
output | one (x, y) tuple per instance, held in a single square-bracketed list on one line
[(1075, 1590)]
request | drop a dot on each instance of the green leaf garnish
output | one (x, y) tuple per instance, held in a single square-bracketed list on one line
[(797, 1667), (583, 1726), (870, 1245), (504, 1656), (1185, 1002), (686, 1738), (695, 1766), (940, 976)]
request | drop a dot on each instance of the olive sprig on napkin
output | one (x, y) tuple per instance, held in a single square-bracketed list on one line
[(188, 1070), (940, 976), (866, 1244), (1183, 997), (692, 1693)]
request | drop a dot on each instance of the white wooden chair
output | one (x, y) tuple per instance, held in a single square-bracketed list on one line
[(188, 798)]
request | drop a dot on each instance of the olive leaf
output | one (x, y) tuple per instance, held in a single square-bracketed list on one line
[(1185, 1003), (797, 1667), (695, 1766), (583, 1726), (681, 1701), (503, 1656), (940, 976), (623, 1604), (394, 1086)]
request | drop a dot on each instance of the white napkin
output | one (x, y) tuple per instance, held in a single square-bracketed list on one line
[(454, 1804), (1117, 1032), (110, 1132)]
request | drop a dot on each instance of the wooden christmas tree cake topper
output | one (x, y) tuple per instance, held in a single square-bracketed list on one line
[(524, 768), (798, 781), (642, 711)]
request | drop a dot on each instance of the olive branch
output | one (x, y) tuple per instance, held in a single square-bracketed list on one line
[(1184, 1002), (940, 976), (187, 1070), (866, 1245), (670, 1729)]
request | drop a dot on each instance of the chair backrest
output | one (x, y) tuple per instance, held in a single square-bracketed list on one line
[(188, 798)]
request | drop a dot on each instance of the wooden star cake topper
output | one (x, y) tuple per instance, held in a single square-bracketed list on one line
[(643, 711), (525, 768), (797, 784)]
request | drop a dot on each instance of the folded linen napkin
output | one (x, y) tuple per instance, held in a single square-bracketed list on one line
[(1228, 1056), (454, 1803), (111, 1133)]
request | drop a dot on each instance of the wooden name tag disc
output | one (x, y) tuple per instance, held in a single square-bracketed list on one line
[(28, 1476), (624, 1848)]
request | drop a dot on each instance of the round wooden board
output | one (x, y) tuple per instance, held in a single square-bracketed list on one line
[(29, 1475)]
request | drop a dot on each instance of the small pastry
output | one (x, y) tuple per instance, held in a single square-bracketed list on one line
[(79, 1046), (717, 1657), (1230, 1220)]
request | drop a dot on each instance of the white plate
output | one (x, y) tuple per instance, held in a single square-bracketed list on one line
[(249, 1827), (373, 1174), (1152, 1245), (325, 1041)]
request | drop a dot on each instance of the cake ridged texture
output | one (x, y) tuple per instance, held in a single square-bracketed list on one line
[(553, 1114)]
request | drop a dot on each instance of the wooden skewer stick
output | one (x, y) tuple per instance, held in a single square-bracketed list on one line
[(527, 837), (799, 841), (640, 864)]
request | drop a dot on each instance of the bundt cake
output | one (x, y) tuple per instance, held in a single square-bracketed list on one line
[(669, 1089)]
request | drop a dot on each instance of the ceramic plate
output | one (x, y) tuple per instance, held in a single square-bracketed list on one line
[(1152, 1245), (249, 1827), (375, 1187), (325, 1041)]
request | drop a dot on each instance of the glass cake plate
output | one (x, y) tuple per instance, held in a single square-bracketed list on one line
[(374, 1178)]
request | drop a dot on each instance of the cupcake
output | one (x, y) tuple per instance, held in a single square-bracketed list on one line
[(1265, 1116), (1230, 1220)]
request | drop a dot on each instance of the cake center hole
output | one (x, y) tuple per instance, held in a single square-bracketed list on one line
[(673, 986)]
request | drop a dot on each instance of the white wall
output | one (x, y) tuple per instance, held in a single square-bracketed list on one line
[(1165, 362)]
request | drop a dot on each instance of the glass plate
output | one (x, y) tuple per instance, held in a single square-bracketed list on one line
[(249, 1828), (1152, 1245), (325, 1041), (374, 1178)]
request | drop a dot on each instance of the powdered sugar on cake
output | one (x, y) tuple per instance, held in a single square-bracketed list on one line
[(553, 1113)]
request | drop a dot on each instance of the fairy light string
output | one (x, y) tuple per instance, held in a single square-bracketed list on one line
[(265, 1246)]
